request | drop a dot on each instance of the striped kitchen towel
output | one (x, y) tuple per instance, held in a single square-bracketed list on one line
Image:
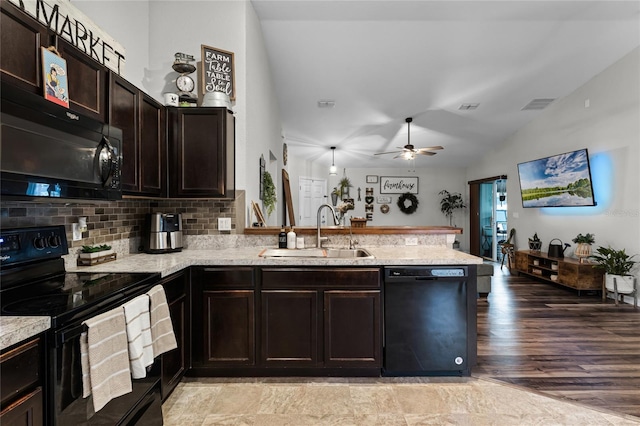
[(136, 314), (162, 334), (108, 356)]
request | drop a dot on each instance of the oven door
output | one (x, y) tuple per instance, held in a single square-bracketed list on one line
[(67, 406)]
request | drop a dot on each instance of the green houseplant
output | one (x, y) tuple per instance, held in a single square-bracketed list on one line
[(583, 249), (269, 194), (617, 265), (449, 203), (92, 252)]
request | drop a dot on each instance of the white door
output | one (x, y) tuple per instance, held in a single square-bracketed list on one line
[(312, 194)]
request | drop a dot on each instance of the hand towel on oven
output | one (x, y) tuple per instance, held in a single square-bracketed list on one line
[(136, 314), (162, 334), (108, 357)]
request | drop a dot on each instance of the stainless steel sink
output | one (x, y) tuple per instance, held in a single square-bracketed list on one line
[(318, 253), (349, 253)]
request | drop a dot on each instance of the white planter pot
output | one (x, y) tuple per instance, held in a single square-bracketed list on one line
[(96, 254), (625, 283)]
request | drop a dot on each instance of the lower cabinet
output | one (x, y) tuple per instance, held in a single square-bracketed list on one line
[(176, 362), (223, 318), (21, 385), (321, 318)]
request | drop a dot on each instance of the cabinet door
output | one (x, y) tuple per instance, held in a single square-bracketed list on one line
[(27, 411), (229, 328), (20, 42), (175, 362), (152, 147), (87, 81), (352, 329), (200, 156), (290, 328), (123, 114)]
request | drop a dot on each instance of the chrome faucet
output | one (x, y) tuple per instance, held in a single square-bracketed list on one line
[(336, 221), (352, 243)]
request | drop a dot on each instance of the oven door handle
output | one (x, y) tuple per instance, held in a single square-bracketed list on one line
[(68, 334)]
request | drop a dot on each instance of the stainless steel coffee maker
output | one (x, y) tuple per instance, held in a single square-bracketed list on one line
[(164, 233)]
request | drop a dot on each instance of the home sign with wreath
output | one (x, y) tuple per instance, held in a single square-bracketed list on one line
[(408, 203)]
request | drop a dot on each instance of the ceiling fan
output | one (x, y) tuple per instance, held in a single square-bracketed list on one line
[(409, 152)]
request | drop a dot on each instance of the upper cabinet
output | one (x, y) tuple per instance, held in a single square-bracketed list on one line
[(142, 121), (20, 42), (202, 152)]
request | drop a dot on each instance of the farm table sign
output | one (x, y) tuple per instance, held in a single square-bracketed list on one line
[(398, 185), (218, 71)]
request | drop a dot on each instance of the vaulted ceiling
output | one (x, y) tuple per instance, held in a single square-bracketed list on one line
[(382, 61)]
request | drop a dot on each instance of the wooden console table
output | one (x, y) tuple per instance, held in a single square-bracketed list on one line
[(564, 271)]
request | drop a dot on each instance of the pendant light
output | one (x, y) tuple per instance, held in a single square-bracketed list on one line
[(333, 170)]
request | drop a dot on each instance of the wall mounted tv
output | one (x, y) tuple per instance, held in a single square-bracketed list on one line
[(562, 180)]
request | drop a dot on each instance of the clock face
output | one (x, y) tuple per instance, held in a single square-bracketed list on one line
[(185, 83)]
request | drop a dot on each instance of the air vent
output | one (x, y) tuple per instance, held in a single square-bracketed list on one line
[(538, 104), (468, 107), (326, 104)]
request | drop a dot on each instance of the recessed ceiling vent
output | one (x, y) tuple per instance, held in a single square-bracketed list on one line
[(538, 104), (323, 103)]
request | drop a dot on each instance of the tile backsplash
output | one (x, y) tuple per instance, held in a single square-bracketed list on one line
[(123, 220)]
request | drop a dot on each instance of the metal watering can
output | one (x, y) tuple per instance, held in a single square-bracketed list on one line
[(556, 250)]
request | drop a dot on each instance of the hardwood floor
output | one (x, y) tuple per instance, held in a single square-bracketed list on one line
[(547, 338)]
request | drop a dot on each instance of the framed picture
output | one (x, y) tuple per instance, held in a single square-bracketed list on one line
[(385, 199), (398, 185), (262, 166), (372, 179), (218, 71), (54, 76)]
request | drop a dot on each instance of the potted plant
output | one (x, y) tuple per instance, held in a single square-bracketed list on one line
[(335, 194), (344, 184), (583, 250), (534, 243), (616, 264), (449, 203), (91, 252), (269, 195)]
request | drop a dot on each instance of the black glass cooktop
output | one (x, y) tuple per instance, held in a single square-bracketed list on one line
[(73, 296)]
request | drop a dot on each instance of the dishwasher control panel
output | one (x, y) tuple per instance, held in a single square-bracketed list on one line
[(426, 271)]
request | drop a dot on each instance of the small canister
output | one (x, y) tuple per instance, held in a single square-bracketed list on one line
[(170, 99)]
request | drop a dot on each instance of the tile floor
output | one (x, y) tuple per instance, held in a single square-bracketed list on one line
[(372, 401)]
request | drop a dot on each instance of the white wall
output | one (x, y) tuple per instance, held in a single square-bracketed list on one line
[(610, 129)]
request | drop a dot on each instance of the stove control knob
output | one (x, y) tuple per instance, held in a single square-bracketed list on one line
[(40, 243), (54, 241)]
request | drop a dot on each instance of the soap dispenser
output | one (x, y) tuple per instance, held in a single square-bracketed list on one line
[(282, 239), (291, 239)]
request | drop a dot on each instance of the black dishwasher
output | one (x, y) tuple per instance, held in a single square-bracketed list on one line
[(430, 320)]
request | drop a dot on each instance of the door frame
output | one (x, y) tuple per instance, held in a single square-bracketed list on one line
[(474, 212)]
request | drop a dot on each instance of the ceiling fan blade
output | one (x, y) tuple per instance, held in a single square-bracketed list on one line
[(430, 148), (388, 152), (426, 153)]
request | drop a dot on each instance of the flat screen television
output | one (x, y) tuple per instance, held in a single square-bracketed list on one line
[(562, 180)]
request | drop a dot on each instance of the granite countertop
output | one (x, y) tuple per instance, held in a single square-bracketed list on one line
[(169, 263), (16, 329)]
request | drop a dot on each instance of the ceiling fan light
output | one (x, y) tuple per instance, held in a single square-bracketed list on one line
[(408, 155)]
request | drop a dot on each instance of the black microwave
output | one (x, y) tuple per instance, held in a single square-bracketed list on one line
[(50, 152)]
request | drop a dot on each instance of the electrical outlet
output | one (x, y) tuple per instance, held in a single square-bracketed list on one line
[(224, 224), (412, 241)]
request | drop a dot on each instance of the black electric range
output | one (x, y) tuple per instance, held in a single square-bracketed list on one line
[(34, 282)]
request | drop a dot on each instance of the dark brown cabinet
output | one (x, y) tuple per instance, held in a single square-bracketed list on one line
[(223, 318), (142, 121), (175, 362), (21, 385), (321, 318), (202, 152), (20, 41), (87, 81)]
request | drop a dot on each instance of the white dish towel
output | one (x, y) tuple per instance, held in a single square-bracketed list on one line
[(137, 317), (108, 357), (162, 334)]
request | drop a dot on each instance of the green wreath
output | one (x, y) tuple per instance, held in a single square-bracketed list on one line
[(411, 208)]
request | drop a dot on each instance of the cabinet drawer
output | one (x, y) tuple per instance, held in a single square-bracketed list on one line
[(20, 370), (214, 278), (320, 277), (26, 411)]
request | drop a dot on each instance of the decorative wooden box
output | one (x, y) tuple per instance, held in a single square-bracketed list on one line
[(88, 259), (358, 222)]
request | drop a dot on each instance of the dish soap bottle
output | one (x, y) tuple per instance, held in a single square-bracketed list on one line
[(282, 238), (291, 239)]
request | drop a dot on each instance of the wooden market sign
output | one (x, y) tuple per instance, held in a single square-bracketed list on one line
[(61, 17), (218, 71)]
